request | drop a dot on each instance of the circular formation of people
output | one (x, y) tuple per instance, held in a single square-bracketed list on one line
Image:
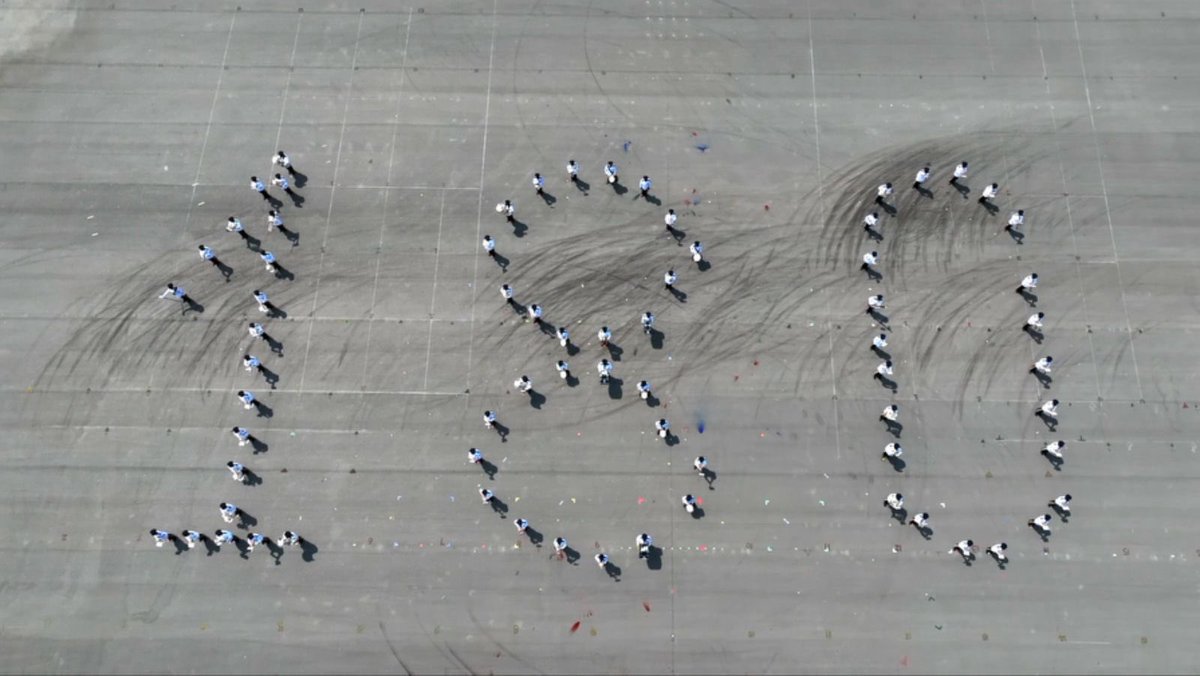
[(534, 313)]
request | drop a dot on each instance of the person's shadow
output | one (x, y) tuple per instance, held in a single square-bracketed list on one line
[(878, 316), (251, 479), (210, 547), (502, 261), (264, 411), (252, 243), (571, 380), (1043, 378), (923, 191), (499, 507), (670, 439), (1050, 421), (274, 549), (489, 469), (180, 545), (614, 352), (897, 464), (243, 548), (614, 387), (613, 571), (698, 512), (276, 312), (1055, 461), (535, 536), (549, 199), (536, 399), (887, 382), (1036, 335), (992, 209), (962, 188), (226, 271), (653, 558), (652, 401), (900, 515), (298, 178), (873, 234), (656, 339), (1017, 237), (1000, 563), (502, 430), (276, 347), (582, 185), (259, 446), (894, 428), (710, 477), (308, 550), (679, 295), (888, 208), (1042, 533), (270, 377), (297, 200), (274, 201), (571, 556), (191, 305), (1030, 298), (519, 228), (572, 349), (925, 531), (246, 521), (652, 199), (882, 354), (873, 274), (1064, 516), (619, 189), (283, 273), (676, 234), (704, 265)]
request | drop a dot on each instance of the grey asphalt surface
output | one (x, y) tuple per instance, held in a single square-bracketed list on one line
[(128, 131)]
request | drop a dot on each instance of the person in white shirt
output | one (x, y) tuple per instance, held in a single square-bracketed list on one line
[(604, 336), (963, 548), (920, 521), (1048, 410), (643, 388), (268, 259), (1041, 523), (601, 560), (1015, 221), (275, 222), (670, 219), (890, 414), (700, 464), (883, 371), (289, 539), (1029, 283), (161, 537), (572, 171), (265, 305), (1042, 366), (489, 419), (564, 337), (960, 172), (892, 450), (191, 538), (508, 209), (697, 251), (229, 511), (663, 427), (610, 171), (669, 280), (259, 187), (521, 524), (223, 537), (644, 186), (244, 437), (235, 225), (919, 181), (644, 542), (284, 161), (486, 495), (237, 469), (894, 502), (256, 331), (524, 384), (282, 183), (882, 193), (997, 550), (560, 547), (247, 398), (177, 293), (604, 368), (506, 292), (871, 220), (1054, 449), (689, 503), (1035, 321), (535, 314), (875, 303), (647, 323), (210, 256), (879, 343), (489, 245), (564, 369), (539, 184), (870, 259), (253, 540), (989, 193), (474, 456), (1062, 503)]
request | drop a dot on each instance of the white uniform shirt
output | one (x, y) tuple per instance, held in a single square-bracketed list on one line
[(507, 292), (870, 258), (281, 182), (964, 548), (275, 221), (572, 168), (258, 185), (883, 190), (893, 450), (645, 184), (920, 520), (670, 278), (1034, 320), (207, 254), (267, 257), (989, 192), (1042, 522), (1050, 409), (539, 182), (891, 413), (604, 335), (894, 501), (1016, 220), (960, 171), (234, 225), (256, 330), (922, 176), (1054, 449), (247, 398), (879, 342), (883, 369), (998, 550), (610, 170), (696, 248), (1043, 364), (1030, 282), (604, 367), (282, 160), (875, 301), (643, 386), (535, 311), (489, 244), (562, 366), (474, 456), (871, 220), (670, 218)]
